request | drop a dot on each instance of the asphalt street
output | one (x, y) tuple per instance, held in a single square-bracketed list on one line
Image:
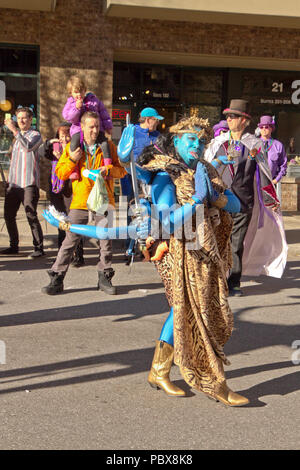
[(73, 368)]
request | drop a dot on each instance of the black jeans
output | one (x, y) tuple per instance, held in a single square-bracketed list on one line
[(29, 197), (241, 223)]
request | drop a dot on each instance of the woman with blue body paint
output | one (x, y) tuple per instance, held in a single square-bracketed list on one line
[(200, 320)]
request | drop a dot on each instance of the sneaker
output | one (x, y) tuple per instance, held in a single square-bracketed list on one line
[(10, 251), (235, 292), (36, 254)]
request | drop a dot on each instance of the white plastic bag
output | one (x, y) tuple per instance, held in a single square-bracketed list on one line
[(98, 199)]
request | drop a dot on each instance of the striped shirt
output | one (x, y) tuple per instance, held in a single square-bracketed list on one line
[(24, 166)]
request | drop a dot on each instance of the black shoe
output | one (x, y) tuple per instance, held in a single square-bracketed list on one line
[(36, 254), (56, 285), (10, 251), (235, 292), (104, 281)]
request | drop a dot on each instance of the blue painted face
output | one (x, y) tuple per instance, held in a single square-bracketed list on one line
[(189, 147)]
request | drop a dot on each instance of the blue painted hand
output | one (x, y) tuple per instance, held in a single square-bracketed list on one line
[(203, 187), (126, 143), (221, 160)]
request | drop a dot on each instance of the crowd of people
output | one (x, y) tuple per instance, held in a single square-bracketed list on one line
[(230, 174)]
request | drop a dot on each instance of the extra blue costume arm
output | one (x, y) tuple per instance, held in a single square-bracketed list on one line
[(233, 203), (104, 233), (164, 198), (101, 233), (142, 174)]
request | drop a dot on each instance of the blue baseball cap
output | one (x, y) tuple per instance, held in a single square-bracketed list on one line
[(151, 112)]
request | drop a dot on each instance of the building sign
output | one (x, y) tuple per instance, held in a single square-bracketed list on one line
[(281, 94), (120, 114), (161, 95), (296, 93)]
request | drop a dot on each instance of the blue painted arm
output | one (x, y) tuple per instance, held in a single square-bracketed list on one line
[(104, 233), (142, 174), (233, 204), (164, 198), (126, 143)]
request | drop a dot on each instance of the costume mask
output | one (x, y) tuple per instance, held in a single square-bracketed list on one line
[(189, 148)]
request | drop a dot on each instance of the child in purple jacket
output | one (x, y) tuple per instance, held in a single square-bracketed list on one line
[(78, 103)]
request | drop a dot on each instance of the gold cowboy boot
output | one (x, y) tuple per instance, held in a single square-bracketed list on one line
[(228, 397), (161, 365)]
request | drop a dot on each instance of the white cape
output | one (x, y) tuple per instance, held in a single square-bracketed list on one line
[(265, 246)]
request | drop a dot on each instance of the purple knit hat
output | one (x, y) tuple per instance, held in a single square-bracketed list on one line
[(221, 126), (266, 121)]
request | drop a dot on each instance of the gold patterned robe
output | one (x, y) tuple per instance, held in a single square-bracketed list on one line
[(196, 286)]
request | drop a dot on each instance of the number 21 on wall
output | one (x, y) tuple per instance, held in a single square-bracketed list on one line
[(277, 87)]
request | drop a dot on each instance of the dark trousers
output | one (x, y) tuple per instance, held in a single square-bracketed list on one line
[(240, 226), (29, 197)]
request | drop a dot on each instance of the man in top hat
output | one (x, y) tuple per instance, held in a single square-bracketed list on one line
[(277, 158), (242, 163)]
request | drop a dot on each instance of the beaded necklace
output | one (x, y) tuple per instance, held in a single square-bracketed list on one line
[(270, 145), (234, 147), (93, 155)]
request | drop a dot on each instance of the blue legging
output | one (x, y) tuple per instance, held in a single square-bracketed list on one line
[(167, 330)]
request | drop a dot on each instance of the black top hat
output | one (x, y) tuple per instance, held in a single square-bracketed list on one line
[(239, 107)]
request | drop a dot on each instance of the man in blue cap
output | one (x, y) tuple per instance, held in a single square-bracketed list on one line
[(146, 134)]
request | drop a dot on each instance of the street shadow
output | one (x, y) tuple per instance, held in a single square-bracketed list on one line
[(248, 336), (126, 309), (133, 362), (282, 386), (130, 362), (268, 285), (21, 262), (292, 236)]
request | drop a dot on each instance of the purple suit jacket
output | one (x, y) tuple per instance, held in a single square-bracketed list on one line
[(277, 159)]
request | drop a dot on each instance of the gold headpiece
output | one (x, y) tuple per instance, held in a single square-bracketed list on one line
[(196, 125)]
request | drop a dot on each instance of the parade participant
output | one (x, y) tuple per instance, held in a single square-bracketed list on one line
[(60, 192), (23, 182), (145, 133), (80, 102), (200, 321), (275, 150), (220, 127), (247, 173), (91, 158)]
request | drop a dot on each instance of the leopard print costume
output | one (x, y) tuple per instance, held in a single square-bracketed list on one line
[(196, 286)]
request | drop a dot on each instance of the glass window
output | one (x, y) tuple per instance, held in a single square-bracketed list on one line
[(19, 73), (15, 59), (126, 86), (161, 83), (202, 86)]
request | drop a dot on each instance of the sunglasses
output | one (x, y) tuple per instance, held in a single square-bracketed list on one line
[(232, 116), (265, 127)]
